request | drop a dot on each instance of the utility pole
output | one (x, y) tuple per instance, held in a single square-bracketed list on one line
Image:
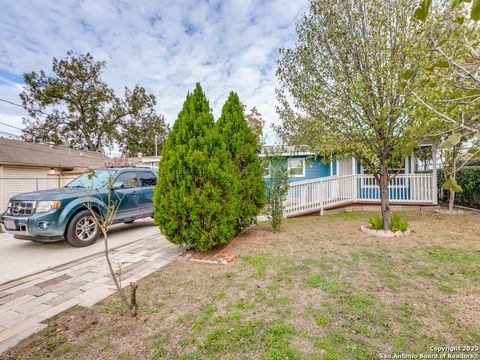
[(156, 145)]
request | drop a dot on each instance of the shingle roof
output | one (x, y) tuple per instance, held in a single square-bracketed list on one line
[(15, 152)]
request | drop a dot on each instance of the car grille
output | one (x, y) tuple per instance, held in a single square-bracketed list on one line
[(21, 208)]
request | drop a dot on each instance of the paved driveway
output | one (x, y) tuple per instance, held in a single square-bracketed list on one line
[(83, 279), (22, 257)]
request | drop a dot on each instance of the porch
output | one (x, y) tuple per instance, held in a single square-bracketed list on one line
[(335, 191)]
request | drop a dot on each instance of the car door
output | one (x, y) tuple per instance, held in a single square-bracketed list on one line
[(146, 181), (126, 190)]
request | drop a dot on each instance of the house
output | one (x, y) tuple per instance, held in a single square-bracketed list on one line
[(317, 184), (26, 166), (144, 161)]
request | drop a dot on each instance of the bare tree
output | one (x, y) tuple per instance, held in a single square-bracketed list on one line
[(104, 218)]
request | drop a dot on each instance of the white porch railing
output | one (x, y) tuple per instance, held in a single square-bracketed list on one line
[(319, 194)]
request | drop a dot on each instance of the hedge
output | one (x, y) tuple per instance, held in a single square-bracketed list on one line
[(468, 178)]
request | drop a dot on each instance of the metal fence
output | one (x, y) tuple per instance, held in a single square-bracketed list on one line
[(12, 186)]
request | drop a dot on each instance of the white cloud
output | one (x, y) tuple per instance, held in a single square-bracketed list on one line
[(165, 46)]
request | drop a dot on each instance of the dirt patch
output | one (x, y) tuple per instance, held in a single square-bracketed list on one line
[(318, 287)]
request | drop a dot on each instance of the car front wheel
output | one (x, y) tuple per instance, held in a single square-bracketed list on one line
[(82, 230)]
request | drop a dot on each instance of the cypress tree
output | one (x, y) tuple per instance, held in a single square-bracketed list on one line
[(243, 147), (195, 197)]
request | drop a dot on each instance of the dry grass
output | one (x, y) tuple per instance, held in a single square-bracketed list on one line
[(319, 289)]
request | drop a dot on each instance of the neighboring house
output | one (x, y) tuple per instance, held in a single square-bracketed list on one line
[(317, 183), (144, 161), (150, 161), (26, 166)]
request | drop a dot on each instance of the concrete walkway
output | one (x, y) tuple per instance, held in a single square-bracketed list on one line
[(22, 257), (26, 302)]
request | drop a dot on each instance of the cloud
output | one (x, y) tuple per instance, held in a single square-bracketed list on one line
[(165, 46)]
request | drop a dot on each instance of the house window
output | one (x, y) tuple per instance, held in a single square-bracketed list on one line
[(296, 167)]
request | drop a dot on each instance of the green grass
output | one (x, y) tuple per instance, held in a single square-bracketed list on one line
[(313, 291)]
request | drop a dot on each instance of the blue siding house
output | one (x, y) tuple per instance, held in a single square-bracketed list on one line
[(317, 183)]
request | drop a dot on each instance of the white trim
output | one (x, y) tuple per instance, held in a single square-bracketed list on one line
[(331, 167), (303, 170), (412, 155), (434, 174), (289, 154)]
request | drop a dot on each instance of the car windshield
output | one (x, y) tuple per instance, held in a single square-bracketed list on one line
[(91, 180)]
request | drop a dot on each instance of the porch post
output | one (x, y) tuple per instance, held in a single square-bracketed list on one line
[(434, 174)]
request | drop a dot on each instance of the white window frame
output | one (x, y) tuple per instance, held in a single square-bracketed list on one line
[(288, 167)]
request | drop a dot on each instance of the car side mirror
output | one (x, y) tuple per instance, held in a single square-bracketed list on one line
[(117, 185)]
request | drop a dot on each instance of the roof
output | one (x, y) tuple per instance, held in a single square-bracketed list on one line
[(16, 152), (286, 150)]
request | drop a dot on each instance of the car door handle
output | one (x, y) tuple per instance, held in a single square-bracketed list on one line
[(134, 192)]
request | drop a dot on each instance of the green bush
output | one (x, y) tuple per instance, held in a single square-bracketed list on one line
[(468, 178), (242, 145), (195, 198), (376, 222), (398, 224), (276, 189)]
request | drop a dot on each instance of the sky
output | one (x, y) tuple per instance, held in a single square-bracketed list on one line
[(164, 46)]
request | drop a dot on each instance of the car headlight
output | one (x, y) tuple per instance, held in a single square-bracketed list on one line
[(44, 206)]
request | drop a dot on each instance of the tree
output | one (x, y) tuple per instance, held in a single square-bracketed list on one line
[(255, 122), (423, 155), (143, 131), (242, 146), (277, 189), (74, 107), (104, 218), (346, 77), (449, 88), (195, 198)]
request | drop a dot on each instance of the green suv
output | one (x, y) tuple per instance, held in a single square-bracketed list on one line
[(52, 215)]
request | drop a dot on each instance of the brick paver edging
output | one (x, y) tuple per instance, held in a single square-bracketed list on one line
[(26, 302)]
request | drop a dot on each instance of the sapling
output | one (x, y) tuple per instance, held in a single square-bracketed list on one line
[(104, 218)]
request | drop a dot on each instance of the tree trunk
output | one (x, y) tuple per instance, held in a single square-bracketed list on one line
[(133, 299), (451, 200), (384, 199)]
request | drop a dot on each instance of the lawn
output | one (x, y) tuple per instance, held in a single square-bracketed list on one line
[(320, 289)]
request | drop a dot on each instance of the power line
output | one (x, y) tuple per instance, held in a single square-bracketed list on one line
[(1, 122), (11, 102), (18, 105)]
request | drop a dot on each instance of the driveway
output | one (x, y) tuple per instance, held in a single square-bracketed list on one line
[(20, 258), (61, 276)]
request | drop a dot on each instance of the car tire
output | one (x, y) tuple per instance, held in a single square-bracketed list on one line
[(128, 222), (82, 229)]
